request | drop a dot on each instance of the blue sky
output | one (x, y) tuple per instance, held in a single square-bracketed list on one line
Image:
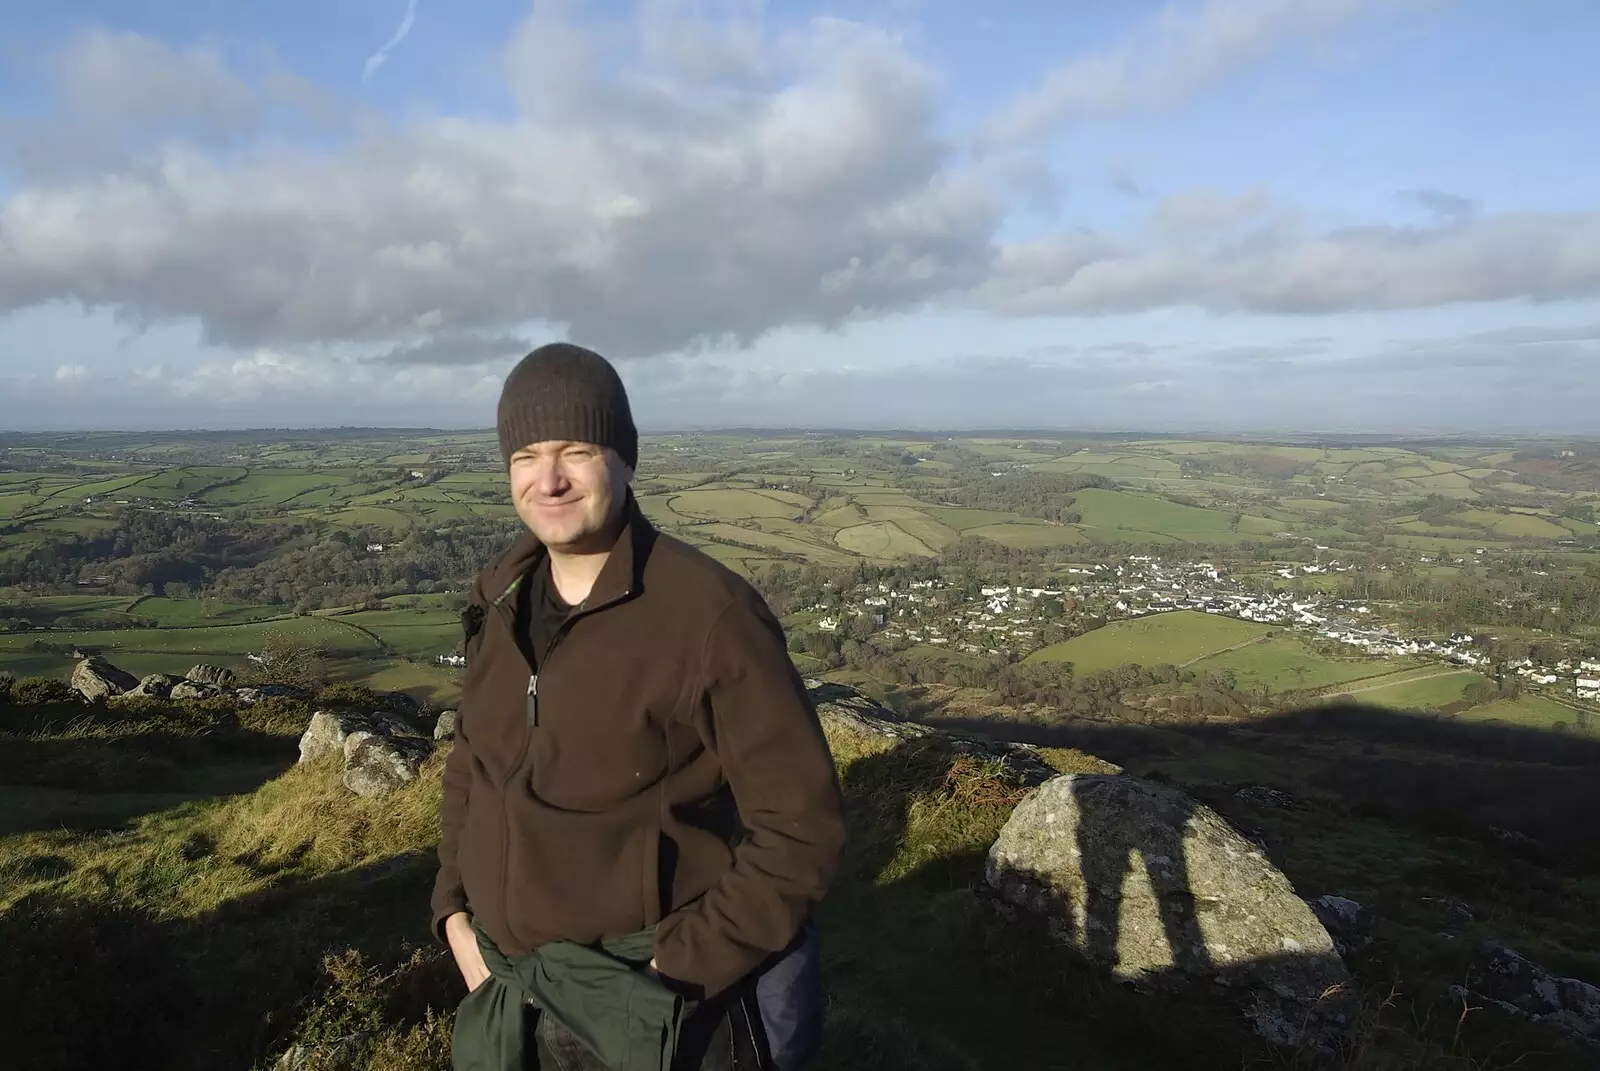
[(1223, 215)]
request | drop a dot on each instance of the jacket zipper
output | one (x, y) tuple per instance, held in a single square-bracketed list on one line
[(532, 713)]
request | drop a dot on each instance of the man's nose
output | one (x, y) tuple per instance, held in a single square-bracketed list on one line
[(548, 478)]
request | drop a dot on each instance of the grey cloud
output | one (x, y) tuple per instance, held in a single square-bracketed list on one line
[(660, 211), (1256, 356), (1178, 51), (640, 221), (1457, 384), (1283, 269), (1203, 211), (1446, 205), (1515, 336), (128, 78), (451, 350), (1270, 388)]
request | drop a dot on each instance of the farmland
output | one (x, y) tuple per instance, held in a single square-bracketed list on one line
[(361, 543), (1176, 638)]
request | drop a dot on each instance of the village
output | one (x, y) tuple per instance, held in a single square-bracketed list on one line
[(994, 619)]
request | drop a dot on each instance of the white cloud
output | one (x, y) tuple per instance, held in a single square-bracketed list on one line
[(694, 179), (377, 59), (1184, 48), (66, 372), (1284, 265), (644, 220), (124, 77)]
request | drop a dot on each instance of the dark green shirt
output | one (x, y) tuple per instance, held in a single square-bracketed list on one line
[(601, 994)]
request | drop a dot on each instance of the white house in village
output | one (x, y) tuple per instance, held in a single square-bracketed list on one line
[(1589, 684), (827, 624)]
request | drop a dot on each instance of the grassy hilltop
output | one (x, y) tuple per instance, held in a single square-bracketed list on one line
[(176, 893), (1391, 632)]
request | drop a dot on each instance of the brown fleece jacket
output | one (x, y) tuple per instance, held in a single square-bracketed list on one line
[(664, 766)]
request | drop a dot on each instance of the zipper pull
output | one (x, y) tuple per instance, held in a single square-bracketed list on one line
[(533, 700)]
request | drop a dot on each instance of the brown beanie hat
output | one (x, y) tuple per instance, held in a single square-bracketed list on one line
[(562, 391)]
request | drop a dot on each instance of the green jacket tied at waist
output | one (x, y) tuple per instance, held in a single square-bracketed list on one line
[(601, 994)]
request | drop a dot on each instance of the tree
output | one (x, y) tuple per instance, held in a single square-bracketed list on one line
[(300, 663)]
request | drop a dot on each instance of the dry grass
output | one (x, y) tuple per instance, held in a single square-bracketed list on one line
[(216, 932)]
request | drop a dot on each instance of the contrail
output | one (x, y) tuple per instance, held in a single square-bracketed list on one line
[(375, 60)]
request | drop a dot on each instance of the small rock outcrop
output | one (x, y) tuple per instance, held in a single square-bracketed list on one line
[(380, 764), (1139, 879), (254, 694), (327, 731), (379, 751), (209, 674), (1347, 922), (156, 685), (1515, 984), (841, 706), (1263, 798), (445, 727), (188, 689), (1454, 915), (95, 678)]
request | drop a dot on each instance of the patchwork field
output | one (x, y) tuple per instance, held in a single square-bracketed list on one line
[(1176, 638), (1282, 662)]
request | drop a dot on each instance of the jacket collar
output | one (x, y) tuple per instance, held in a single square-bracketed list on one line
[(621, 576)]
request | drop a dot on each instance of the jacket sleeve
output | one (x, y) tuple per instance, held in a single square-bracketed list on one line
[(776, 759), (448, 894)]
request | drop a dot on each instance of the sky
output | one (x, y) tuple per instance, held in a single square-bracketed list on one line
[(1292, 216)]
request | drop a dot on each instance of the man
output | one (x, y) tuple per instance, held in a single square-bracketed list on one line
[(640, 810)]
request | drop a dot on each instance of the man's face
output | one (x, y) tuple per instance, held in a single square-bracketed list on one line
[(569, 494)]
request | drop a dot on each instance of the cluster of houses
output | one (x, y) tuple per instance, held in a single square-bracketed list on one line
[(1015, 617), (1004, 616)]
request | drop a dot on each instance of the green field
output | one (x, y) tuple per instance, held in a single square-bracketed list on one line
[(1532, 710), (420, 634), (170, 613), (1424, 689), (1175, 638), (174, 650), (1123, 515), (732, 504), (1282, 662), (1029, 534), (881, 539)]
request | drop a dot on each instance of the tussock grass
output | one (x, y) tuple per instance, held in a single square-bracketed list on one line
[(244, 905)]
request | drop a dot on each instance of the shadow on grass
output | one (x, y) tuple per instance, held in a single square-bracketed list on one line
[(103, 782), (1530, 791), (1396, 807), (922, 975), (919, 974), (92, 984)]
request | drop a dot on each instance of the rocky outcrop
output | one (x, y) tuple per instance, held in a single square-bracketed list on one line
[(190, 689), (1516, 985), (1139, 879), (1347, 922), (841, 707), (377, 765), (95, 678), (445, 727), (156, 685), (209, 674), (327, 732), (379, 752), (251, 695)]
